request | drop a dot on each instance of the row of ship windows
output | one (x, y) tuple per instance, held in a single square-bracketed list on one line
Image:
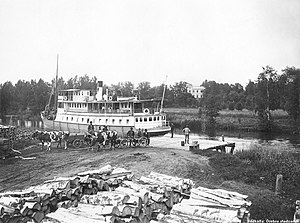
[(145, 119), (80, 105)]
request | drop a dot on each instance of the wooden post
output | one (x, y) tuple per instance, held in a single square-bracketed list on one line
[(278, 187)]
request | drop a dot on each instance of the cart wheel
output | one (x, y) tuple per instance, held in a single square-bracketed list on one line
[(143, 141), (123, 143), (117, 143), (77, 143)]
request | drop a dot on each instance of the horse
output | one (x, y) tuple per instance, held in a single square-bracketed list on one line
[(48, 137), (99, 137)]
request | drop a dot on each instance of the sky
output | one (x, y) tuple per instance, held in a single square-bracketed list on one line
[(158, 41)]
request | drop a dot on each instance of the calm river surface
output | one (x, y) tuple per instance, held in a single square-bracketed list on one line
[(245, 140)]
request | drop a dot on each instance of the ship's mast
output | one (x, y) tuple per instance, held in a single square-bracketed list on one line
[(163, 97), (56, 90)]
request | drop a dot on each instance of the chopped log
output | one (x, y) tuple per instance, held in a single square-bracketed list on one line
[(103, 170), (104, 198), (198, 194), (110, 210), (171, 181), (53, 201), (45, 202), (223, 193), (62, 184), (183, 218), (142, 193), (41, 191), (156, 197), (134, 201), (64, 204), (67, 216), (75, 203), (38, 216), (44, 208), (221, 215), (118, 172), (84, 179), (203, 203), (10, 201), (6, 209), (24, 211), (47, 211), (33, 205)]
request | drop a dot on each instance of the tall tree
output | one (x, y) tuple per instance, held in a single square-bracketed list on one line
[(292, 94), (267, 97)]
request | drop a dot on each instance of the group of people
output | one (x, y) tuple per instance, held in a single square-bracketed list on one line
[(131, 135)]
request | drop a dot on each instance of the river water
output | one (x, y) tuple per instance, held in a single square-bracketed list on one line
[(243, 140), (246, 140)]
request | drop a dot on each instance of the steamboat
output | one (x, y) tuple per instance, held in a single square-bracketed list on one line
[(76, 108)]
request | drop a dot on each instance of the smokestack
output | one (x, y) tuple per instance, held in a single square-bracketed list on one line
[(99, 90)]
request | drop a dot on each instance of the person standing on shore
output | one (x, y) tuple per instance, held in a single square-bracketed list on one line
[(147, 135), (172, 129), (186, 132)]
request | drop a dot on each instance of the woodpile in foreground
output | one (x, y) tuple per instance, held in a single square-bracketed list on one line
[(115, 195)]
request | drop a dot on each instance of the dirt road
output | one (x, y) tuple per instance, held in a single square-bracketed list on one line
[(18, 174)]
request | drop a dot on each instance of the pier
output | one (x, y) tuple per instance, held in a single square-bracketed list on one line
[(202, 144)]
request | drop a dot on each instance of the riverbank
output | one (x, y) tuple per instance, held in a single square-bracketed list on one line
[(240, 172), (228, 120)]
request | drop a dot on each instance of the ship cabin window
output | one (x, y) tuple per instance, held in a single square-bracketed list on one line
[(154, 118), (127, 121), (136, 119), (99, 120), (82, 119), (106, 121), (60, 105), (150, 119), (77, 120), (145, 119), (141, 119), (158, 118), (164, 117), (87, 120), (67, 118), (71, 118), (113, 121), (120, 121)]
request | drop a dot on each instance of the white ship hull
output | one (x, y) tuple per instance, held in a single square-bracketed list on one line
[(81, 128)]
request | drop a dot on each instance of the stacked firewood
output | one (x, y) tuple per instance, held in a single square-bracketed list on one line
[(115, 195), (36, 202), (210, 205)]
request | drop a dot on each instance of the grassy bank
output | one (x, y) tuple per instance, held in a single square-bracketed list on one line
[(244, 120), (254, 172)]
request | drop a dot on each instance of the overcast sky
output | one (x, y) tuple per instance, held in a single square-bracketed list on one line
[(228, 41)]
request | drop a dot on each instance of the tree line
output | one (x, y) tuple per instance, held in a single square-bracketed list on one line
[(270, 91)]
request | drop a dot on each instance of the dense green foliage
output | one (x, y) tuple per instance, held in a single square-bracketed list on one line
[(269, 92)]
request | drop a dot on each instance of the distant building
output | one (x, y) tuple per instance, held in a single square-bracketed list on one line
[(196, 91)]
